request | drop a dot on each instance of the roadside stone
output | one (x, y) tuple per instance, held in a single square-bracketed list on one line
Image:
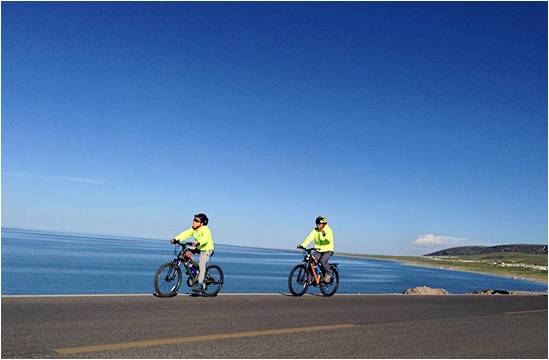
[(424, 290), (491, 292)]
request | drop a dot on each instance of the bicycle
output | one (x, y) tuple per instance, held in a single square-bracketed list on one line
[(169, 277), (308, 273)]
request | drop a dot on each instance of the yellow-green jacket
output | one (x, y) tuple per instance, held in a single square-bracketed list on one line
[(324, 240), (202, 235)]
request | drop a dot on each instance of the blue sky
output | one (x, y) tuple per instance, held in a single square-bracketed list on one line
[(412, 126)]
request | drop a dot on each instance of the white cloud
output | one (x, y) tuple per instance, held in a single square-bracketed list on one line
[(55, 177), (431, 240)]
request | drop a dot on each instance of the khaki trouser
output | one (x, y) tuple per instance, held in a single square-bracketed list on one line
[(204, 257)]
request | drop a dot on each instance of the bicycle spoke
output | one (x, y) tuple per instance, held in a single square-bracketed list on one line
[(213, 280), (168, 280), (298, 280)]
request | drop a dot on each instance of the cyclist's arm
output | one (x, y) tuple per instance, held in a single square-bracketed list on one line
[(184, 235), (329, 235), (309, 238), (205, 240)]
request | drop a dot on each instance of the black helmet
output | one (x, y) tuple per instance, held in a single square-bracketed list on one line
[(203, 218), (321, 220)]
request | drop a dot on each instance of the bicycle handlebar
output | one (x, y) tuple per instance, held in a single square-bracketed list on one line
[(184, 245)]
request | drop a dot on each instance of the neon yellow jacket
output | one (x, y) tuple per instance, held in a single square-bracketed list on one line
[(324, 240), (202, 235)]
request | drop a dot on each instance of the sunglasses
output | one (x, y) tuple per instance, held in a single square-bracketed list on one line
[(196, 220)]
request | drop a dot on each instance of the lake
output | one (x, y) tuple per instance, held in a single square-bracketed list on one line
[(40, 263)]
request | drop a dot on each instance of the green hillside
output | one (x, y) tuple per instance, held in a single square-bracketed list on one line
[(518, 265), (477, 250)]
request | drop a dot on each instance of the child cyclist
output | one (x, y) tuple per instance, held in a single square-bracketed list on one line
[(202, 241), (323, 236)]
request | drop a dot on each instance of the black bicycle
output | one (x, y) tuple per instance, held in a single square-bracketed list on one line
[(169, 277), (309, 273)]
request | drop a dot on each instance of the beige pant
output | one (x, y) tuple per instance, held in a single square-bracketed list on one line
[(204, 257)]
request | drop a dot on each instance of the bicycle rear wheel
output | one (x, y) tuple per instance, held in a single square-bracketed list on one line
[(328, 289), (167, 280), (213, 280), (298, 280)]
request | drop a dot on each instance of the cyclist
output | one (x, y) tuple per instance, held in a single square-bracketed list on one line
[(323, 237), (203, 243)]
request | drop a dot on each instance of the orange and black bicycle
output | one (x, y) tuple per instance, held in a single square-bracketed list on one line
[(309, 273)]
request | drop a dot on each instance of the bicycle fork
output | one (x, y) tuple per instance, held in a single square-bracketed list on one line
[(171, 274)]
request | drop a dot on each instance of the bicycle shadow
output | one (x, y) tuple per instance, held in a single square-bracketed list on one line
[(290, 295), (163, 297)]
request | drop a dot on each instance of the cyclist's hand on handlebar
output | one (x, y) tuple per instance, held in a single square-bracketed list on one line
[(300, 247), (173, 241)]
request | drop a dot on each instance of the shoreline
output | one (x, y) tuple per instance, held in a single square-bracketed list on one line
[(445, 267), (309, 295)]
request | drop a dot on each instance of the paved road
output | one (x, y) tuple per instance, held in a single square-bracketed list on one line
[(275, 326)]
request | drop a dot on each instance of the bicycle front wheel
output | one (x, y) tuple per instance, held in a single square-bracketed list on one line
[(298, 280), (167, 280), (213, 280), (328, 289)]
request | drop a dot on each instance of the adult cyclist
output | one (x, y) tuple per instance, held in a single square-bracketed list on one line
[(202, 241), (323, 237)]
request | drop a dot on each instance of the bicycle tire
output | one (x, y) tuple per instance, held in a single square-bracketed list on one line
[(302, 280), (330, 288), (172, 279), (210, 280)]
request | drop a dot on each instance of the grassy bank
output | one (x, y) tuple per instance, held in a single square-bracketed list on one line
[(515, 265)]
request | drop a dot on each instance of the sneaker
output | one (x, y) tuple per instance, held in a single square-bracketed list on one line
[(327, 278)]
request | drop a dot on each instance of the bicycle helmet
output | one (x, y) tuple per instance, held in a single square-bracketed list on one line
[(203, 218), (321, 220)]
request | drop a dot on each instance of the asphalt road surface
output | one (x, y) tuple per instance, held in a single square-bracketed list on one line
[(275, 326)]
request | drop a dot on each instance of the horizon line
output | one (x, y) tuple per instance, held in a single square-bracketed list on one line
[(341, 253)]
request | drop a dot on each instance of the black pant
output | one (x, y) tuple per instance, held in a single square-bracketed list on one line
[(322, 258)]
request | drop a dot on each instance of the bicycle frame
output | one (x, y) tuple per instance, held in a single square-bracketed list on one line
[(186, 262), (311, 264)]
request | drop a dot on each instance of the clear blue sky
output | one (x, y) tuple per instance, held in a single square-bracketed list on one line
[(412, 126)]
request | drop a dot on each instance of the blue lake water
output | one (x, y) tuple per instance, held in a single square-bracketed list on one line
[(53, 263)]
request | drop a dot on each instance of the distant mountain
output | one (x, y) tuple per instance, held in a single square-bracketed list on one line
[(476, 250)]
